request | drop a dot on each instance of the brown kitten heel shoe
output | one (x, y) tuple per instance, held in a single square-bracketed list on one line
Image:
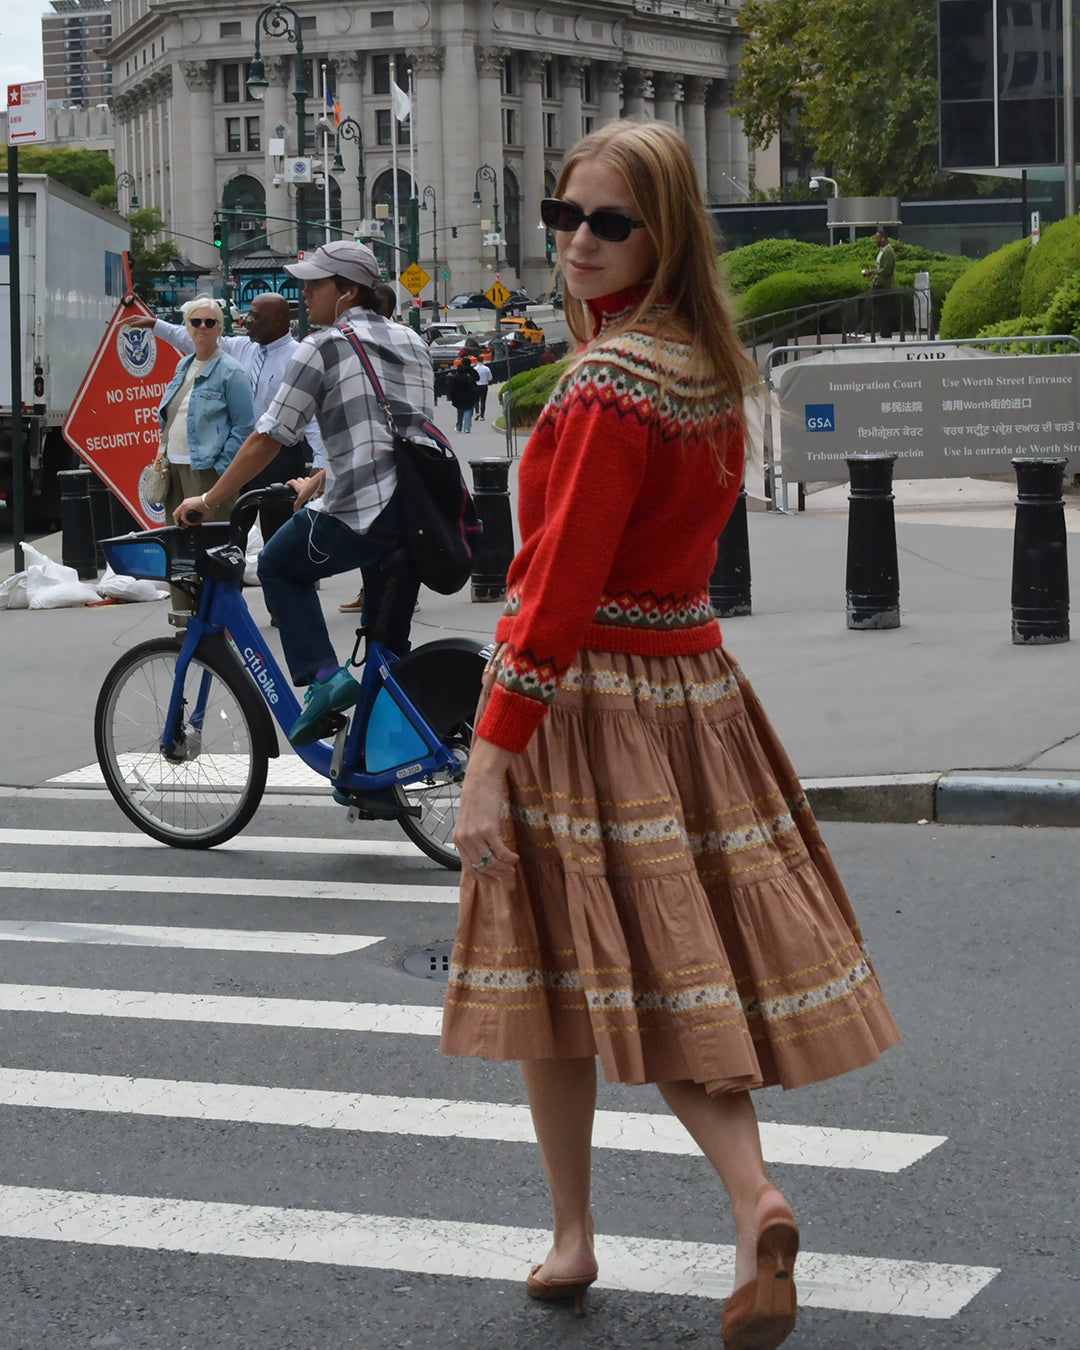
[(761, 1314), (574, 1287)]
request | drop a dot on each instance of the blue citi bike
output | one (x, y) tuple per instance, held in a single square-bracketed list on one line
[(184, 724)]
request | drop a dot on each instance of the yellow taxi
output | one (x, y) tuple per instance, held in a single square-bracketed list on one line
[(524, 326)]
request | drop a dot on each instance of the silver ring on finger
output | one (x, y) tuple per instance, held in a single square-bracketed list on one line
[(482, 861)]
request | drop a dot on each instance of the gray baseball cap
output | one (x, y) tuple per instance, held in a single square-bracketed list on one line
[(340, 258)]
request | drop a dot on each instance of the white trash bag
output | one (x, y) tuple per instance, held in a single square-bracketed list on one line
[(251, 555), (51, 585), (116, 587)]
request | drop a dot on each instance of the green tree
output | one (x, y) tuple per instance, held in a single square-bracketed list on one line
[(855, 81), (147, 258), (82, 170)]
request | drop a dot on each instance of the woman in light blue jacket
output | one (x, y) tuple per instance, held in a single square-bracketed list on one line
[(206, 413)]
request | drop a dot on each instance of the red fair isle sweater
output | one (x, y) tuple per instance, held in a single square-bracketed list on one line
[(621, 501)]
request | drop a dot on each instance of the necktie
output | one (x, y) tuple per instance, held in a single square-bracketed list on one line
[(256, 368)]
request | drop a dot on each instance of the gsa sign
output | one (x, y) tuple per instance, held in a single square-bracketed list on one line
[(820, 417)]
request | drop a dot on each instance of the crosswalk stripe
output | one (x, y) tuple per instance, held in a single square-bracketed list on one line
[(284, 771), (242, 843), (199, 939), (431, 1117), (182, 882), (466, 1250), (233, 1009)]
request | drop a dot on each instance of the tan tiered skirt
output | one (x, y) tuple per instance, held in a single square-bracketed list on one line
[(675, 910)]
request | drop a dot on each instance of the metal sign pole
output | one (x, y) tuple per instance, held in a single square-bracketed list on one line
[(18, 466)]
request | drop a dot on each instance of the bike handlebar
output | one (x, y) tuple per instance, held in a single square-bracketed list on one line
[(246, 508)]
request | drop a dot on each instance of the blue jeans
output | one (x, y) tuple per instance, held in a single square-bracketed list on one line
[(464, 419), (313, 545)]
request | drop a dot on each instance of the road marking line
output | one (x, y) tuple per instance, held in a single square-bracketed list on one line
[(466, 1250), (200, 939), (261, 887), (232, 1009), (243, 843), (429, 1117), (281, 771)]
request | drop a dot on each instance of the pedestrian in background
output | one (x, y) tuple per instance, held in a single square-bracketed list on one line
[(882, 275), (462, 390), (206, 412), (483, 382), (643, 879)]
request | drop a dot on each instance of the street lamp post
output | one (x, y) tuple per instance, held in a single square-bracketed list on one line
[(488, 174), (819, 178), (349, 129), (125, 179), (430, 191), (278, 20)]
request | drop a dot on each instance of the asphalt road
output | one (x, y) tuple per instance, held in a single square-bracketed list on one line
[(160, 1096)]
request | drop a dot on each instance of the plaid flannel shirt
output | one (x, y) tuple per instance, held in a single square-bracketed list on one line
[(324, 379)]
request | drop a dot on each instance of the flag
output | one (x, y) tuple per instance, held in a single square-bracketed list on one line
[(402, 102), (337, 112)]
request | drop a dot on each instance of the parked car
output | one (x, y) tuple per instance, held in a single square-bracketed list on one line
[(516, 300), (444, 328), (470, 300), (530, 331)]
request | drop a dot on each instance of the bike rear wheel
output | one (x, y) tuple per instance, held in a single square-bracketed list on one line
[(443, 680), (210, 784)]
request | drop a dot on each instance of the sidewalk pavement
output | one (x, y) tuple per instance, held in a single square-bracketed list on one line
[(942, 718)]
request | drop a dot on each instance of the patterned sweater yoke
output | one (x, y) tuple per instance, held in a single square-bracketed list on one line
[(624, 486)]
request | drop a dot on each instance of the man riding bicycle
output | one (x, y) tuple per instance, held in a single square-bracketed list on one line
[(357, 520)]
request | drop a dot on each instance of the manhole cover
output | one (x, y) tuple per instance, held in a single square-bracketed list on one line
[(429, 963)]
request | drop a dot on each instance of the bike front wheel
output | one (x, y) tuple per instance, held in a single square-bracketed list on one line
[(204, 787)]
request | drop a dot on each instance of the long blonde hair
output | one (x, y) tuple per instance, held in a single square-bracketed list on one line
[(656, 165)]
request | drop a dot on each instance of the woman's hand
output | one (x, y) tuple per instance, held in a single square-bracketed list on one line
[(478, 833)]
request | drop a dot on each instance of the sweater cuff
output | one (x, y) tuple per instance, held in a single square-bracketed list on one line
[(509, 719)]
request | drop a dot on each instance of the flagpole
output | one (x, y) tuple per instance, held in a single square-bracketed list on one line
[(393, 160), (325, 161)]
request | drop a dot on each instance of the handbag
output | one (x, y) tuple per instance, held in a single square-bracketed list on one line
[(156, 478), (441, 523)]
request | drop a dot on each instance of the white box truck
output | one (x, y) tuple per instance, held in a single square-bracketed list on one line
[(71, 278)]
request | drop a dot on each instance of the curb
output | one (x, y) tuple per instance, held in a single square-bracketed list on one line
[(949, 798)]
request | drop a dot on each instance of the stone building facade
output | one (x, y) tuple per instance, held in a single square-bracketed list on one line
[(503, 86)]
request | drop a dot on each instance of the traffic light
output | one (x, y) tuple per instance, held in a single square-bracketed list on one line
[(219, 231), (453, 231)]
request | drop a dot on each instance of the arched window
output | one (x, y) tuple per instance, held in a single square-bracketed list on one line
[(247, 196), (382, 210), (511, 223)]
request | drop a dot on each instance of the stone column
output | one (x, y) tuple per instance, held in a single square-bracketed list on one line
[(461, 145), (611, 84), (489, 64), (349, 73), (428, 64), (695, 92), (276, 110), (668, 91), (572, 71), (635, 82), (718, 145), (197, 204), (534, 268)]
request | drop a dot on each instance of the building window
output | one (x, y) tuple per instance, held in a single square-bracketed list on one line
[(588, 126), (251, 134), (380, 72), (508, 76), (586, 84), (309, 22), (229, 29), (232, 135), (549, 79), (382, 18), (551, 130), (230, 82), (382, 126)]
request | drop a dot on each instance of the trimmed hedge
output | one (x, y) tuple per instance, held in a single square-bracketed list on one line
[(530, 390), (1050, 264), (744, 267), (988, 291)]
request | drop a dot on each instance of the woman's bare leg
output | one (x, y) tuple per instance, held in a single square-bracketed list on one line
[(726, 1130), (562, 1099)]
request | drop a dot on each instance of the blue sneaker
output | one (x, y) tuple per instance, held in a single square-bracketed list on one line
[(323, 696)]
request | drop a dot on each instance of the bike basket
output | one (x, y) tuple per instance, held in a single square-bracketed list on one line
[(160, 554)]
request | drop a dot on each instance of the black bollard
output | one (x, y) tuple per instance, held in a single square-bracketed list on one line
[(76, 522), (100, 516), (492, 555), (729, 585), (123, 522), (873, 576), (1040, 575)]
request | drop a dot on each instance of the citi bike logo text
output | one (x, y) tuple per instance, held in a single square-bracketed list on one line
[(820, 417), (257, 665)]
